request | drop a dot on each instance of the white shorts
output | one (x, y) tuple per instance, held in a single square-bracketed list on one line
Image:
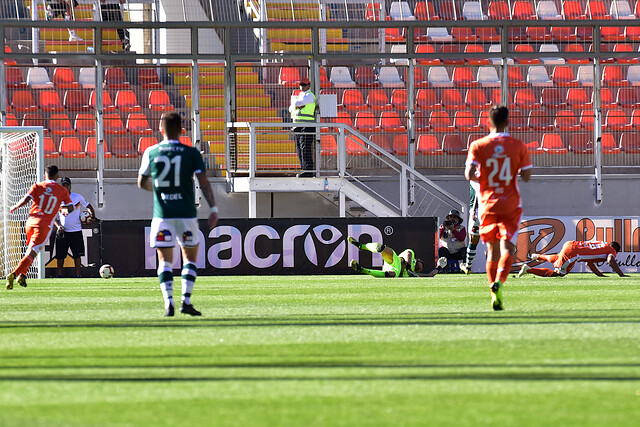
[(165, 231)]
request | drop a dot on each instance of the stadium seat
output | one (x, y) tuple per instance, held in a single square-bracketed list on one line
[(426, 48), (344, 118), (574, 47), (585, 75), (328, 144), (38, 78), (397, 146), (463, 77), (399, 49), (488, 77), (632, 33), (148, 141), (451, 48), (63, 78), (572, 10), (525, 48), (59, 124), (616, 120), (546, 48), (87, 78), (71, 148), (586, 119), (620, 9), (540, 121), (429, 145), (630, 142), (394, 35), (562, 76), (159, 101), (439, 35), (390, 122), (289, 77), (438, 77), (11, 120), (633, 75), (483, 121), (440, 121), (121, 147), (107, 103), (424, 11), (366, 122), (498, 10), (378, 100), (547, 10), (563, 34), (552, 98), (606, 99), (552, 144), (463, 35), (114, 78), (90, 148), (401, 11), (148, 78), (496, 97), (352, 100), (365, 77), (50, 102), (426, 99), (14, 79), (399, 99), (538, 77), (85, 124), (75, 100), (627, 98), (596, 10), (113, 125), (515, 77), (49, 148), (137, 124), (625, 47), (464, 121), (496, 48), (34, 119), (340, 78), (372, 12), (612, 76), (523, 10), (126, 102), (324, 80), (355, 146), (608, 144), (421, 121), (475, 48), (566, 121), (526, 99), (454, 145), (381, 140), (476, 99), (186, 140), (518, 121), (452, 99), (23, 101), (472, 11), (580, 143), (449, 11), (389, 78)]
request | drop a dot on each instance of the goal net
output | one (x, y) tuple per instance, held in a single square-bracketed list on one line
[(21, 165)]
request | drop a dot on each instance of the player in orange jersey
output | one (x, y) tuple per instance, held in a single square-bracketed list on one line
[(575, 251), (46, 198), (494, 162)]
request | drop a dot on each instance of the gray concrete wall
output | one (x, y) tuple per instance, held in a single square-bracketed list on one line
[(542, 196)]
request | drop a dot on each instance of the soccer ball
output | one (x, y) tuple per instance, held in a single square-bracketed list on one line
[(106, 271), (85, 217)]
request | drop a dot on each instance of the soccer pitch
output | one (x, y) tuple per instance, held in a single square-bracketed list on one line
[(323, 350)]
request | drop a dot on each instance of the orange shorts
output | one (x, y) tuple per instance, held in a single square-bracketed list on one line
[(496, 227), (37, 234)]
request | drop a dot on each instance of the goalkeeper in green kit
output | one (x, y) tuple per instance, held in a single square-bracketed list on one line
[(403, 265)]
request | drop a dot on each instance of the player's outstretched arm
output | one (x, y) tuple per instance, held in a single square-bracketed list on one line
[(595, 270), (20, 204), (207, 192), (615, 267)]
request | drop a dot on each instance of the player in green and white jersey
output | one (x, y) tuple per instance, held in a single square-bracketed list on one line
[(404, 265), (167, 169), (474, 226)]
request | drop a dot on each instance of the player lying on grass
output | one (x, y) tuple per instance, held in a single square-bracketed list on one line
[(575, 251), (403, 265)]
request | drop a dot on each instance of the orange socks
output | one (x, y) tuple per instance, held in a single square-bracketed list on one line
[(23, 265), (544, 272), (492, 271), (504, 267)]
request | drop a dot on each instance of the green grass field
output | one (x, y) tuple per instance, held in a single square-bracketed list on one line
[(330, 351)]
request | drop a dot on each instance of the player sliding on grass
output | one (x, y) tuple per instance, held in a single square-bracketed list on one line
[(494, 162), (403, 265), (572, 252)]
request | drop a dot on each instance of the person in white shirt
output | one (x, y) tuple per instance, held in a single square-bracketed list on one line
[(302, 109), (69, 230)]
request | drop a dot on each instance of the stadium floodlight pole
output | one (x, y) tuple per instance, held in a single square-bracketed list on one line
[(195, 104), (597, 119)]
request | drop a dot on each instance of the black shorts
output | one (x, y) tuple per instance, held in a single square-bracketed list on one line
[(69, 240)]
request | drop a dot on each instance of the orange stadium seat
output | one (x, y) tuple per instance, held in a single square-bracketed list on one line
[(632, 33), (563, 76), (630, 142), (352, 100), (186, 140), (476, 99), (14, 79), (429, 145), (453, 144), (137, 124), (71, 148), (572, 10), (515, 77), (121, 147), (289, 77), (465, 122), (344, 118), (328, 144), (526, 99), (580, 143), (426, 48), (11, 120), (114, 78), (91, 148), (440, 121), (527, 48), (366, 122), (145, 142), (50, 149), (50, 101), (612, 76), (567, 121), (475, 48), (452, 99), (148, 78), (399, 99), (574, 47), (463, 77), (75, 100), (23, 101), (59, 124), (552, 144), (523, 10), (159, 101), (378, 100), (540, 121), (627, 98), (390, 122), (577, 99), (34, 119), (113, 125), (625, 47), (635, 119), (355, 147), (107, 103), (63, 78), (586, 119), (608, 144), (617, 120), (85, 124), (126, 102)]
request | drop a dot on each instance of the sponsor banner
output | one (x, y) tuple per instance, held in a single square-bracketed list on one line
[(547, 235), (265, 246)]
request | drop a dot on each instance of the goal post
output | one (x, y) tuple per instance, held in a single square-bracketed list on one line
[(21, 165)]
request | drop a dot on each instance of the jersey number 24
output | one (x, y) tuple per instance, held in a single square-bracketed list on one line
[(499, 173)]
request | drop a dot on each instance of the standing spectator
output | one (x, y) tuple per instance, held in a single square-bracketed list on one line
[(64, 8), (452, 236), (113, 12), (69, 230), (303, 109)]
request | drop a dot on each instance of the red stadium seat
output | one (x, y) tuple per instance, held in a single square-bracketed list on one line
[(400, 145), (23, 102), (159, 101), (355, 146), (424, 11), (85, 124), (630, 142), (538, 34), (452, 99), (381, 140), (617, 120), (518, 121), (91, 148), (328, 144), (121, 147), (499, 10), (515, 77), (577, 99), (14, 79), (451, 48), (34, 119), (563, 76), (418, 78), (148, 141), (453, 144), (126, 102), (50, 101), (632, 33), (487, 34), (324, 80), (148, 78), (426, 99), (366, 122), (608, 144), (528, 49), (587, 119), (572, 10), (59, 124), (627, 98), (449, 11), (114, 78), (523, 10), (107, 103), (463, 77), (289, 77), (580, 143), (612, 76), (625, 47), (574, 47), (343, 117), (463, 34), (440, 121), (496, 97), (540, 121), (635, 119), (378, 100), (137, 124), (606, 98), (63, 78), (113, 125), (552, 98), (475, 48), (526, 99), (352, 100), (399, 99), (426, 48), (596, 10), (71, 148), (563, 34), (465, 122), (365, 77), (552, 144), (49, 148), (186, 140), (476, 99), (390, 122), (567, 121), (75, 100), (11, 120), (429, 145)]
